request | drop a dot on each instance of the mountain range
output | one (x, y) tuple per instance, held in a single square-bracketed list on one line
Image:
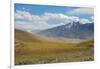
[(74, 31)]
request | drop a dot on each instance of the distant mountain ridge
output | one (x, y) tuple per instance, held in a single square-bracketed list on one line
[(77, 30)]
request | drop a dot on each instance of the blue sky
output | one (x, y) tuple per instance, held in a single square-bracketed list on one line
[(40, 9), (27, 16)]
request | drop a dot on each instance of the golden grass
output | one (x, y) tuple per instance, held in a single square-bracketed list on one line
[(37, 49), (52, 52)]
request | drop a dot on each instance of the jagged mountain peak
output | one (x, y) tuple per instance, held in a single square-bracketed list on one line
[(72, 30)]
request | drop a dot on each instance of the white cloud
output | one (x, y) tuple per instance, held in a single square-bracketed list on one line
[(23, 15), (84, 21), (47, 20), (35, 26), (30, 25), (55, 18), (74, 18), (82, 11), (44, 21)]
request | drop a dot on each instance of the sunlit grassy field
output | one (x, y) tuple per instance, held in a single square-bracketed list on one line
[(52, 52)]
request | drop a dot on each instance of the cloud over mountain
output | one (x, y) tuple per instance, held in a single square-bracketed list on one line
[(84, 21), (26, 20)]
